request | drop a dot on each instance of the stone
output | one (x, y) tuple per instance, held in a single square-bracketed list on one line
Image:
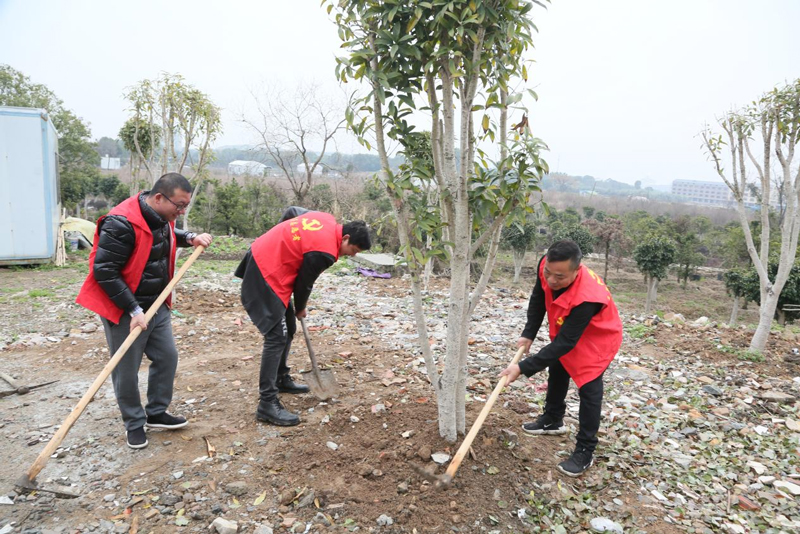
[(424, 452), (759, 468), (332, 446), (224, 526), (711, 390), (402, 488), (236, 488), (787, 486), (701, 321), (109, 498), (286, 497), (88, 328), (777, 396), (321, 519), (385, 521), (263, 529), (177, 475), (440, 458), (307, 499), (602, 524)]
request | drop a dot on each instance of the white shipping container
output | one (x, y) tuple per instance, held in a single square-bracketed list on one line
[(29, 186)]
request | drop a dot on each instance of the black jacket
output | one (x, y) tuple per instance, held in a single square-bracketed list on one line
[(114, 249)]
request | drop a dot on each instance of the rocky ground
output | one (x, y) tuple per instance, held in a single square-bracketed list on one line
[(696, 437)]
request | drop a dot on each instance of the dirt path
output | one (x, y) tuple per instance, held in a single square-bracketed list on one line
[(348, 466)]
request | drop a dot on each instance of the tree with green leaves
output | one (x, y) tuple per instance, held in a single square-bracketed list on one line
[(574, 232), (653, 256), (77, 158), (455, 59), (607, 231), (170, 120), (520, 238), (736, 283), (751, 137)]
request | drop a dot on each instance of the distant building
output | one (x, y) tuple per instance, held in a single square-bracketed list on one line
[(110, 164), (716, 194), (248, 168)]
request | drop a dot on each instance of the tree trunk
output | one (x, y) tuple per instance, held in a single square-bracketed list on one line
[(765, 314), (781, 317), (519, 260), (734, 311), (655, 290), (648, 299), (605, 268)]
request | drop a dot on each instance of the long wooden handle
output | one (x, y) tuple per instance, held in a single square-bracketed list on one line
[(311, 354), (59, 436), (11, 381), (476, 426)]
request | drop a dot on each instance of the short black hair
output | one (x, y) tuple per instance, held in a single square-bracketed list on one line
[(359, 234), (564, 250), (167, 184)]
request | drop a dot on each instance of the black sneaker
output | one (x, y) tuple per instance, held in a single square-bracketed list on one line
[(287, 385), (544, 425), (137, 439), (578, 463), (274, 413), (165, 420)]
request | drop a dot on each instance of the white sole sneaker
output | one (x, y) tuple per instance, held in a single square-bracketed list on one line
[(139, 446), (168, 427), (560, 431), (574, 475)]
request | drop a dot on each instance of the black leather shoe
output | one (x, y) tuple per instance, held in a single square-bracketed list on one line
[(287, 385), (274, 413)]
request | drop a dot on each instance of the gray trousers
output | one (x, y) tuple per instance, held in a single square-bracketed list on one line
[(158, 343)]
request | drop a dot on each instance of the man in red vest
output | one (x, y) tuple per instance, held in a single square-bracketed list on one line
[(131, 263), (287, 260), (585, 335)]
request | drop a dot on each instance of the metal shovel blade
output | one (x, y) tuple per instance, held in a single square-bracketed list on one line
[(25, 484), (321, 381)]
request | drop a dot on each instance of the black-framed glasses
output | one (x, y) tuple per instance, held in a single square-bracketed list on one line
[(179, 207)]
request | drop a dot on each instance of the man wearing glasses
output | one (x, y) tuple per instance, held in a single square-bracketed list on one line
[(131, 263)]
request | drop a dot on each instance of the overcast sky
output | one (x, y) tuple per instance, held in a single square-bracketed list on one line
[(624, 86)]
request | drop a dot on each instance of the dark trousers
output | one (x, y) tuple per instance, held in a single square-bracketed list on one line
[(158, 344), (591, 395), (277, 344)]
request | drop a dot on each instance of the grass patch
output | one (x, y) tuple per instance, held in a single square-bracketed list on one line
[(638, 331), (227, 246), (36, 293)]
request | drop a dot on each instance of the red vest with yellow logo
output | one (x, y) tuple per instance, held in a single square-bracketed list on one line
[(603, 336), (91, 295), (279, 252)]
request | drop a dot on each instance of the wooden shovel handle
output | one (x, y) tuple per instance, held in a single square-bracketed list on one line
[(476, 426), (59, 436), (311, 354)]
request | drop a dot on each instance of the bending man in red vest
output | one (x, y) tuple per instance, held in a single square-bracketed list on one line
[(131, 263), (287, 260), (585, 335)]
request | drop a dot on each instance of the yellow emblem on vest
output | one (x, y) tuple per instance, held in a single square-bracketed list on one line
[(560, 321), (312, 226)]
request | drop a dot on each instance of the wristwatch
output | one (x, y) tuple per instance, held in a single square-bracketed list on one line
[(136, 311), (190, 237)]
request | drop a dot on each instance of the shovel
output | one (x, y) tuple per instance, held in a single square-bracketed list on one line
[(28, 481), (321, 381), (445, 479)]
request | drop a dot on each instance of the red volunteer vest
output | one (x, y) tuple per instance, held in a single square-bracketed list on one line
[(603, 336), (279, 252), (91, 295)]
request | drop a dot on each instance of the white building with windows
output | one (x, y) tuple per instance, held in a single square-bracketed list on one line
[(248, 168), (717, 194)]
